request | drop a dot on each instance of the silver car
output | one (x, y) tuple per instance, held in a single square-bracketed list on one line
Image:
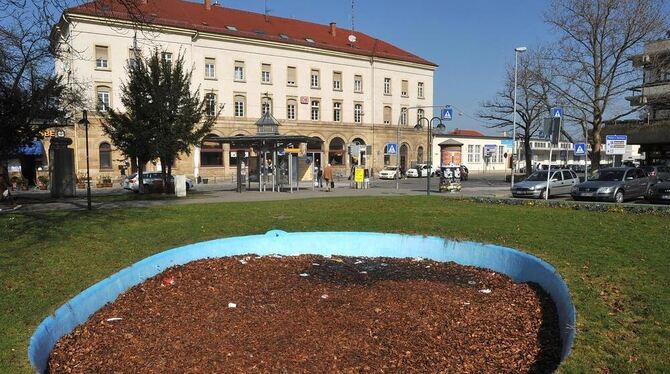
[(535, 186), (613, 184)]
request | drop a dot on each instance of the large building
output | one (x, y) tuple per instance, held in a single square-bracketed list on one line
[(336, 86), (652, 132)]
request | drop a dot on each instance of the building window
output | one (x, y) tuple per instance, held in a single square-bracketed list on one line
[(291, 105), (291, 74), (419, 155), (403, 116), (358, 83), (478, 153), (210, 104), (419, 115), (101, 57), (239, 71), (337, 111), (266, 105), (103, 98), (105, 152), (387, 115), (387, 86), (315, 110), (404, 88), (337, 81), (211, 152), (501, 154), (167, 57), (210, 68), (471, 151), (419, 90), (315, 78), (240, 104), (265, 74), (358, 113)]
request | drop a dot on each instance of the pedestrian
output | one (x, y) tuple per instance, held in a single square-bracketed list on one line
[(328, 176), (319, 175)]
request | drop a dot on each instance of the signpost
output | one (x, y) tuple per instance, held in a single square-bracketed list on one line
[(391, 149), (557, 121), (447, 114), (615, 145), (359, 175), (580, 149)]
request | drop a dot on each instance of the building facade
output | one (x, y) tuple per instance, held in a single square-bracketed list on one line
[(336, 86)]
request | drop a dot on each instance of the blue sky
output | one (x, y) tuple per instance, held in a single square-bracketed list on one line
[(471, 40)]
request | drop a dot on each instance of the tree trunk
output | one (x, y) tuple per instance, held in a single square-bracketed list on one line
[(529, 154), (596, 154), (164, 175), (140, 177), (169, 176)]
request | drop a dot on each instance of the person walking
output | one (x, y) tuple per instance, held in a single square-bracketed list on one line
[(319, 176), (328, 176)]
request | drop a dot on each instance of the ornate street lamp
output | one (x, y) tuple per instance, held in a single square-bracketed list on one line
[(429, 143), (84, 121)]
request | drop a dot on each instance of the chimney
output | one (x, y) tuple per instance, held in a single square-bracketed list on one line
[(333, 28), (208, 4)]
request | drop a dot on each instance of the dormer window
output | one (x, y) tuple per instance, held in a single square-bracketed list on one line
[(231, 28), (283, 36), (309, 40)]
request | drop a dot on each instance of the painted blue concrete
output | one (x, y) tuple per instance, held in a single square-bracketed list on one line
[(521, 267)]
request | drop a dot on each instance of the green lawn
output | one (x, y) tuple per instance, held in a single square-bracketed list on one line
[(616, 264)]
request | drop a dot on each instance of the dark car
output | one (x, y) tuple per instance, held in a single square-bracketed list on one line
[(613, 184), (657, 173), (659, 193)]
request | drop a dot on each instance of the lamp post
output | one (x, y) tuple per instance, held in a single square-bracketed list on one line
[(84, 121), (429, 144), (517, 50)]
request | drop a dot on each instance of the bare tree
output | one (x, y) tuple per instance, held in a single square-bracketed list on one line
[(532, 101), (591, 68)]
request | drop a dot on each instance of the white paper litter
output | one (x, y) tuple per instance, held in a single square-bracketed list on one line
[(364, 272), (304, 275), (417, 259), (232, 305), (485, 290), (315, 264), (472, 282), (324, 296), (243, 262), (358, 262), (113, 319)]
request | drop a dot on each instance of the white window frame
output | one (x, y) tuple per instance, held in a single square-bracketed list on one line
[(337, 81), (315, 109), (239, 75), (210, 104), (239, 107), (358, 83), (210, 68), (404, 85), (358, 113), (294, 82), (100, 62), (337, 111), (420, 90), (167, 57), (266, 73), (387, 86), (403, 116), (315, 79), (387, 119), (104, 97), (291, 109)]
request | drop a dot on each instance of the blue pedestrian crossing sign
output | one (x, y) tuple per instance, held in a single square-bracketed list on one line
[(580, 149), (391, 149), (557, 112), (447, 114)]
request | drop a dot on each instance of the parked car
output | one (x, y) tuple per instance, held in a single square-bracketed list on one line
[(390, 172), (577, 168), (535, 186), (613, 184), (420, 170), (659, 193), (148, 180)]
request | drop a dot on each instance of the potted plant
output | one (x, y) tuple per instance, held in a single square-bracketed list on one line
[(106, 181), (81, 181)]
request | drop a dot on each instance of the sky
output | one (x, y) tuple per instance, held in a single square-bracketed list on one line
[(470, 40)]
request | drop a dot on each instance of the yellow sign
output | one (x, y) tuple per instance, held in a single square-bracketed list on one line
[(359, 175)]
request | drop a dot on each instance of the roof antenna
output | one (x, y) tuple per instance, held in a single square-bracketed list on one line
[(267, 11), (352, 37)]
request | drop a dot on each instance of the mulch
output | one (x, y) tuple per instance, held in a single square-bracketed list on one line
[(314, 314)]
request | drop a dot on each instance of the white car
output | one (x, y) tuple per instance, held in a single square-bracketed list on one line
[(420, 170), (389, 172), (132, 183)]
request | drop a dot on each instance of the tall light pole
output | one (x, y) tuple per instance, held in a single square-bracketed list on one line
[(517, 50), (84, 121), (429, 144)]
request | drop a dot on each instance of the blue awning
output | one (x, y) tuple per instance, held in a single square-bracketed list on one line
[(33, 149)]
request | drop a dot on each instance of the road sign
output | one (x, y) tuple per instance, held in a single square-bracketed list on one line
[(490, 149), (447, 114), (391, 149), (557, 112), (615, 144), (580, 149)]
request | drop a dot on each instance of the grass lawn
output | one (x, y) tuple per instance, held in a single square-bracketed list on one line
[(616, 264)]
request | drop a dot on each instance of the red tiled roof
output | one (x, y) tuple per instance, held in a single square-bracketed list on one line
[(194, 16), (466, 132)]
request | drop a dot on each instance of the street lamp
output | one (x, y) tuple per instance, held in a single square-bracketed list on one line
[(84, 121), (517, 50), (429, 147)]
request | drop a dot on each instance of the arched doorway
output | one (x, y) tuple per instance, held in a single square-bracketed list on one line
[(314, 150), (336, 151), (419, 155), (353, 159), (403, 157)]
